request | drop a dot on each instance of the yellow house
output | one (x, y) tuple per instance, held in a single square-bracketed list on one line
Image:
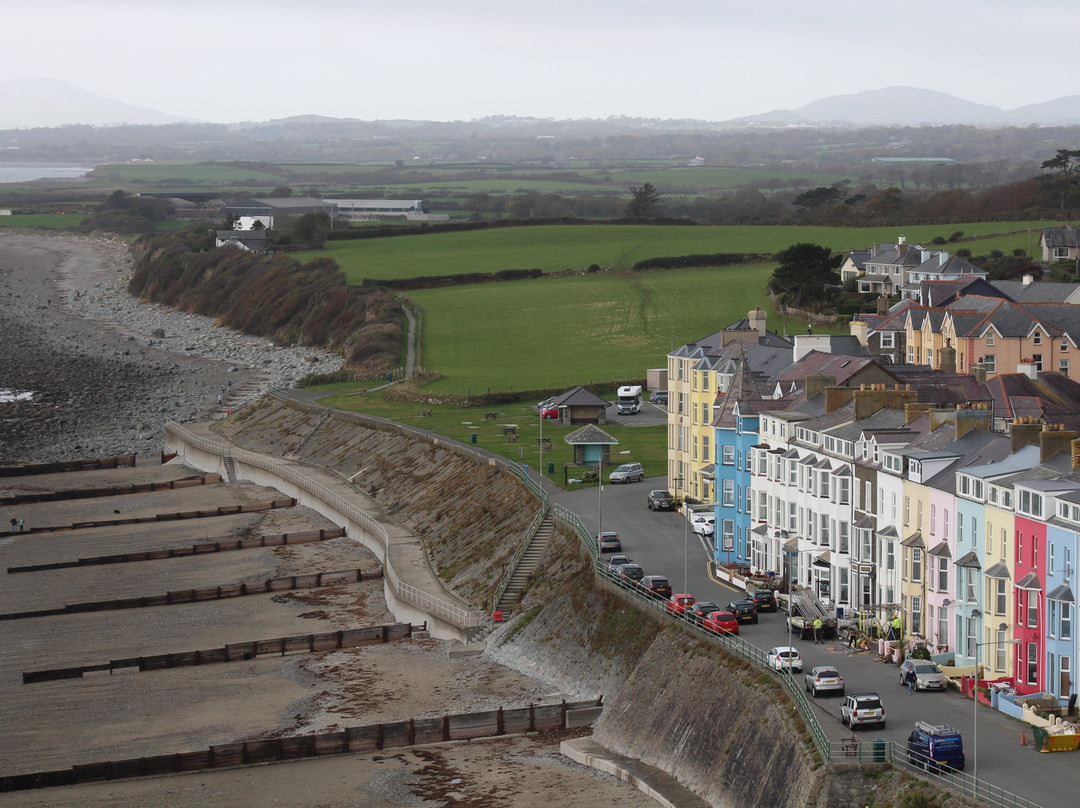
[(692, 390), (913, 562), (998, 594)]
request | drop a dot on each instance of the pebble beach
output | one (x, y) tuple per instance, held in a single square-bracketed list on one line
[(86, 370)]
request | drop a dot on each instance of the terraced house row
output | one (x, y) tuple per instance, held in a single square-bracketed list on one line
[(945, 489)]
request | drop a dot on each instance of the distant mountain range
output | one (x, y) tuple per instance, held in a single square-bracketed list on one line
[(47, 102), (41, 102), (911, 106)]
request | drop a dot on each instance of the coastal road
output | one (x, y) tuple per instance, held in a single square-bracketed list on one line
[(662, 543)]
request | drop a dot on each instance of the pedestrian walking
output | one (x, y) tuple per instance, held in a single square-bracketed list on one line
[(14, 524), (22, 524), (817, 630), (909, 677), (219, 399)]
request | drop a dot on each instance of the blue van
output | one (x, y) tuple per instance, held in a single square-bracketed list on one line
[(935, 747)]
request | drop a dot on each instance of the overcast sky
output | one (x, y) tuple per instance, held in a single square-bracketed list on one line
[(236, 60)]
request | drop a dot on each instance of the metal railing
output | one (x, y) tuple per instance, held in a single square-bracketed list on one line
[(852, 750), (843, 751), (511, 567), (431, 604)]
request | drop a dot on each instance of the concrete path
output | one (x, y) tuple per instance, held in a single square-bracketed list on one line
[(662, 787)]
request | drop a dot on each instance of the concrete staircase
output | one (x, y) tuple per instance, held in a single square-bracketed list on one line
[(230, 469), (320, 427), (528, 564)]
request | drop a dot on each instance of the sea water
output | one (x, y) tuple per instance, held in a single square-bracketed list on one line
[(27, 173)]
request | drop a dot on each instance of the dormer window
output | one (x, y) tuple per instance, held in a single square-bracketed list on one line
[(990, 338), (1036, 338)]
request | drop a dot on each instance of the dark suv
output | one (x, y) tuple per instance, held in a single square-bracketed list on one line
[(745, 611), (657, 585), (661, 500), (764, 598)]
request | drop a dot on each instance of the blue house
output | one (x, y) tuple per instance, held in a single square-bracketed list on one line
[(735, 428)]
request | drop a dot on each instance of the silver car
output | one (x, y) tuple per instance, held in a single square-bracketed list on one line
[(928, 676), (627, 473), (824, 679)]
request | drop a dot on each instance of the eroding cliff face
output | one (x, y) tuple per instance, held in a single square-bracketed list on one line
[(718, 725)]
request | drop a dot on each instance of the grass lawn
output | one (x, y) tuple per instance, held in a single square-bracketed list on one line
[(646, 445), (553, 333), (553, 248), (53, 221)]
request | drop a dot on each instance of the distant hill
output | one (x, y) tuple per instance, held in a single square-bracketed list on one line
[(47, 102), (911, 106), (29, 103)]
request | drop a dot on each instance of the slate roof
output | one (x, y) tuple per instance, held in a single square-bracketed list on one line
[(1049, 395), (1061, 237), (1021, 292), (591, 434), (579, 397), (839, 365)]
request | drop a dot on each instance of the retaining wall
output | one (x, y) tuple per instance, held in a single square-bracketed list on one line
[(445, 618)]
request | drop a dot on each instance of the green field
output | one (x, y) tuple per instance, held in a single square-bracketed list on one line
[(553, 333), (554, 248)]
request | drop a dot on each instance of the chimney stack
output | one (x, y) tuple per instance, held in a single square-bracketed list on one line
[(948, 359)]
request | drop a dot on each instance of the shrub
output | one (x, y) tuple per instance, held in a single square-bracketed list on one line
[(955, 237)]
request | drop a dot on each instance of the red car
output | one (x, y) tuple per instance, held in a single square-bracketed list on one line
[(721, 623), (680, 602), (550, 412)]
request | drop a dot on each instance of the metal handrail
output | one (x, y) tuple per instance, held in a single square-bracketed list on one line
[(530, 533), (429, 603), (843, 751)]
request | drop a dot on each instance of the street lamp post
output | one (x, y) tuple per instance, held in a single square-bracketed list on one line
[(686, 522), (975, 707), (599, 494)]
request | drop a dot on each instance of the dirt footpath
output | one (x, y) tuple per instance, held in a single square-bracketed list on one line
[(54, 725)]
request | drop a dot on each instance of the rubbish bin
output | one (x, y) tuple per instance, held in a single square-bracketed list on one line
[(879, 751), (839, 612), (472, 438), (551, 468), (389, 377)]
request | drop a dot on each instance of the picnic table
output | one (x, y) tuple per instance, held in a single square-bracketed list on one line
[(491, 416), (510, 429)]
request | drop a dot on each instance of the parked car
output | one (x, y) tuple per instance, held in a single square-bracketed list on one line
[(824, 679), (701, 608), (619, 558), (703, 524), (745, 611), (935, 747), (609, 541), (764, 599), (862, 708), (785, 658), (546, 404), (658, 397), (657, 584), (928, 676), (721, 623), (549, 412), (660, 499), (627, 473), (680, 602), (630, 572)]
